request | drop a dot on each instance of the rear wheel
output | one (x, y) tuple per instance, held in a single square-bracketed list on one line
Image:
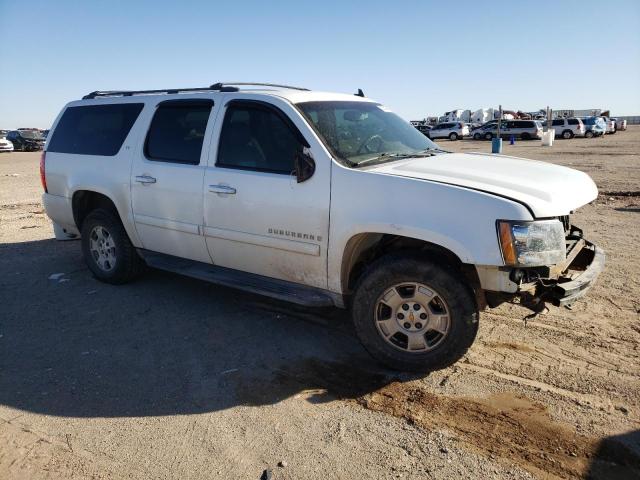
[(453, 136), (588, 134), (107, 250), (413, 314), (567, 134), (525, 136)]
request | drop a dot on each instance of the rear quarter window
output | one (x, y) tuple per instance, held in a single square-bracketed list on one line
[(94, 129)]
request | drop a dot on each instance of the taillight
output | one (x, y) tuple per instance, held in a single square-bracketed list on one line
[(43, 177)]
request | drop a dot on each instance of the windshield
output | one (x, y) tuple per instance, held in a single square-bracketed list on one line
[(30, 134), (359, 132)]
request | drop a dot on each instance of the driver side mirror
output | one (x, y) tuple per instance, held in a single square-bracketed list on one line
[(304, 166)]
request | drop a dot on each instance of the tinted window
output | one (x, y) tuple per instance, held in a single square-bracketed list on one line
[(257, 138), (557, 122), (177, 131), (94, 129), (521, 124), (573, 121)]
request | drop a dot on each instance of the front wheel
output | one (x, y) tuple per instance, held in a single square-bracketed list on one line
[(488, 136), (476, 136), (413, 314)]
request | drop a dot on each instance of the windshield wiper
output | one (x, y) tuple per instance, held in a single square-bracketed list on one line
[(396, 156)]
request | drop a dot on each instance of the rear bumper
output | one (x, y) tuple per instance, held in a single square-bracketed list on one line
[(590, 260)]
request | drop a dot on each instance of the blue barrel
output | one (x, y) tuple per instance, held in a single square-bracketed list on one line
[(496, 145)]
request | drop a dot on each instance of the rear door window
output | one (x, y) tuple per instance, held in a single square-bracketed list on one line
[(556, 123), (177, 131), (94, 129), (574, 121)]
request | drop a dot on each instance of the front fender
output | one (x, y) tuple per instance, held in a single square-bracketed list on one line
[(458, 219)]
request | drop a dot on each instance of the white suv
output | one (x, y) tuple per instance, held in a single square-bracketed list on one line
[(321, 199), (568, 127), (450, 130)]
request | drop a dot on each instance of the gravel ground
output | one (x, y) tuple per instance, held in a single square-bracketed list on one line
[(170, 377)]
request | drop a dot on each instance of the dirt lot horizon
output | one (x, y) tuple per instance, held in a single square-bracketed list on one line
[(170, 377)]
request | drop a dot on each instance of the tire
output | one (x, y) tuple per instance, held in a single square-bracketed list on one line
[(453, 136), (122, 263), (567, 134), (488, 136), (396, 273), (525, 136), (588, 134), (477, 136)]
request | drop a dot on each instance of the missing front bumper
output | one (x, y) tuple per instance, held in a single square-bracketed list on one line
[(590, 261), (560, 285)]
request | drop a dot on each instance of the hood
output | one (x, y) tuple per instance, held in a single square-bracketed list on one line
[(548, 190)]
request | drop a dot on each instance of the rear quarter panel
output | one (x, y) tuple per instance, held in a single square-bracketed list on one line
[(109, 175)]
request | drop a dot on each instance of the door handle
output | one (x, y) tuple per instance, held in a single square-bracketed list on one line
[(145, 179), (222, 189)]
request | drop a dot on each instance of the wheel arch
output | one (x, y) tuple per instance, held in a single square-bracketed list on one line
[(364, 248), (85, 200)]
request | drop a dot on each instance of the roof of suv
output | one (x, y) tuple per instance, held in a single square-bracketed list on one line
[(292, 94)]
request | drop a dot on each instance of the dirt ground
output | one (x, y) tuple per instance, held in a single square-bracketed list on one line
[(171, 377)]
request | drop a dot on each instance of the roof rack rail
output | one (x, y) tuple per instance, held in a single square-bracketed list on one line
[(220, 86), (232, 86), (129, 93)]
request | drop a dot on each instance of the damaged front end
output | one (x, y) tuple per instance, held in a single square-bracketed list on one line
[(559, 285)]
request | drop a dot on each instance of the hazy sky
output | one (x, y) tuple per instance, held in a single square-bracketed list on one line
[(418, 58)]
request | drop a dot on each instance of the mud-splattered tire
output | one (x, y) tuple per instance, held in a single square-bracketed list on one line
[(426, 290), (107, 250)]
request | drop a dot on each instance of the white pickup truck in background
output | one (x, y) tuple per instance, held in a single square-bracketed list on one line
[(319, 199)]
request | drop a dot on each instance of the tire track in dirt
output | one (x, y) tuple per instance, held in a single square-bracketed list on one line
[(511, 427)]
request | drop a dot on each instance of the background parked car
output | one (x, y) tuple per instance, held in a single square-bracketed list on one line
[(5, 145), (568, 127), (621, 124), (450, 130), (26, 140), (610, 125), (424, 129), (524, 129), (594, 126)]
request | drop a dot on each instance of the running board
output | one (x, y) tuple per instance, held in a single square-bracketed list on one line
[(249, 282)]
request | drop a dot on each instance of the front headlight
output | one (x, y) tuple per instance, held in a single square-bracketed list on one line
[(532, 244)]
